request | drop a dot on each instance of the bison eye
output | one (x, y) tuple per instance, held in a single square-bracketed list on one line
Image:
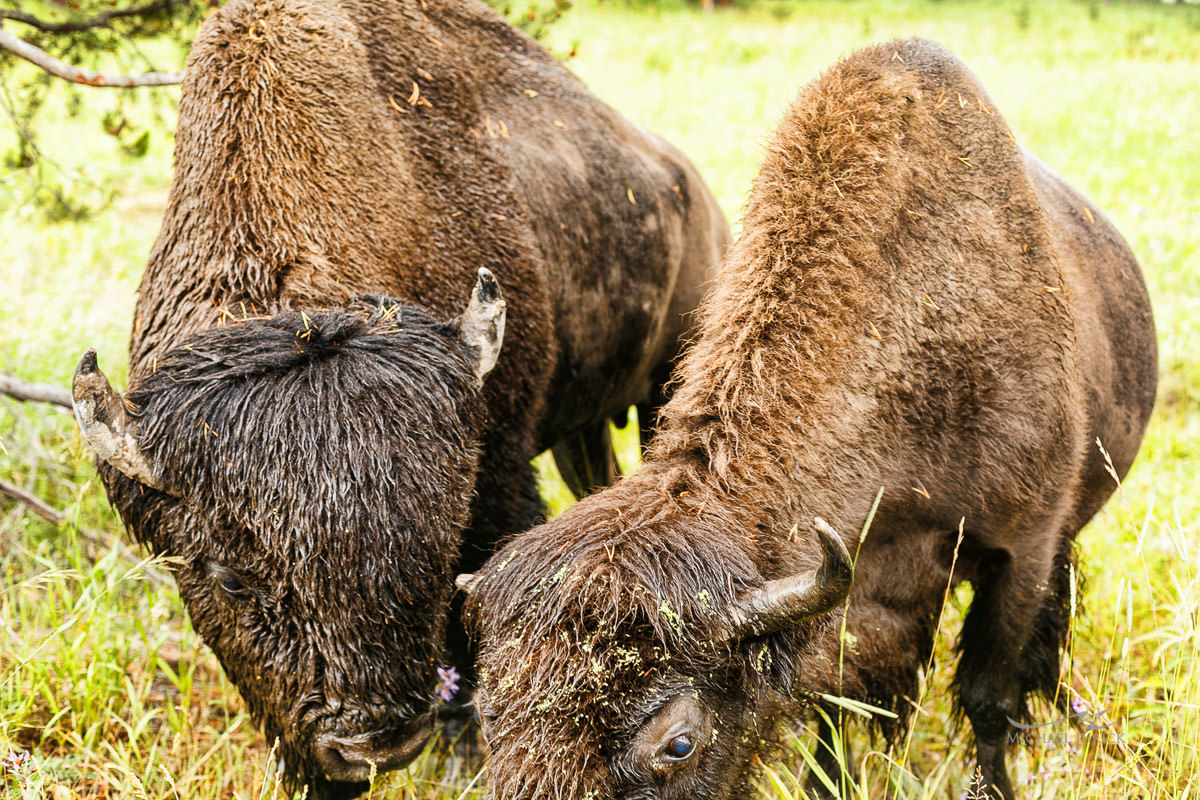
[(680, 748), (669, 741), (230, 583)]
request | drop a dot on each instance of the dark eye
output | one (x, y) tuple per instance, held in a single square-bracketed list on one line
[(230, 583), (680, 748)]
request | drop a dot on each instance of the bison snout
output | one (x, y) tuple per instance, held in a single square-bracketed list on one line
[(350, 758)]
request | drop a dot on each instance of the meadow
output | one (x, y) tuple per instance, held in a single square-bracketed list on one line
[(105, 690)]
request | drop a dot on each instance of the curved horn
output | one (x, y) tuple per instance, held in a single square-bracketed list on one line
[(106, 426), (466, 582), (780, 604), (482, 324)]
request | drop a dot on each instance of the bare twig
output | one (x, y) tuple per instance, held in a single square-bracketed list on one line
[(36, 392), (94, 542), (47, 62), (98, 21), (35, 504)]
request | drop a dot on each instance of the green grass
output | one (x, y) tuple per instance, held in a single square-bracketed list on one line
[(102, 680)]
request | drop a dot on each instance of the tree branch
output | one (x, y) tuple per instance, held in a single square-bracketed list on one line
[(37, 392), (93, 540), (42, 59), (35, 504), (98, 21)]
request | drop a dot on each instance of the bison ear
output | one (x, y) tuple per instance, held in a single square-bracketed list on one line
[(106, 426), (481, 326), (780, 604)]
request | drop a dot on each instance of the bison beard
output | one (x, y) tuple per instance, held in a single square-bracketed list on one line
[(915, 304)]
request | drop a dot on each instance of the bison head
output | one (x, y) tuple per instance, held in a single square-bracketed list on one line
[(312, 473), (633, 658)]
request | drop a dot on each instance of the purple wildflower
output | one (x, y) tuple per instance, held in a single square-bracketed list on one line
[(1078, 706), (448, 683), (17, 762)]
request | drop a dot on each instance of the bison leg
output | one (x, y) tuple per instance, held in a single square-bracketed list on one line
[(586, 461), (647, 419), (832, 757), (506, 501), (1041, 661), (1010, 593)]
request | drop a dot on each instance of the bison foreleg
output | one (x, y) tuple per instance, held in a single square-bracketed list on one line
[(832, 758), (586, 460), (1009, 595)]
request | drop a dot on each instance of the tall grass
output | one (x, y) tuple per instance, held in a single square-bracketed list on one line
[(105, 690)]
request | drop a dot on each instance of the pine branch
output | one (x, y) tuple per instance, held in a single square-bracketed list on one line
[(37, 392), (47, 62)]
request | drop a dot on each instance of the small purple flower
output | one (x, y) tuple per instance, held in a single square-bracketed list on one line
[(448, 686), (18, 762), (1078, 706)]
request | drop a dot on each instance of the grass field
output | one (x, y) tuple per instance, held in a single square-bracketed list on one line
[(105, 691)]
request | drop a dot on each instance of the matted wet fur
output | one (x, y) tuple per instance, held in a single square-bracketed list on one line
[(915, 304), (250, 416), (330, 150)]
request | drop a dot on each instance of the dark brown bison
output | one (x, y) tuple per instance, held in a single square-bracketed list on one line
[(915, 304), (305, 426)]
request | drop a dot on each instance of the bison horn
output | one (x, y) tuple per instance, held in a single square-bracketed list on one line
[(466, 582), (780, 604), (106, 426), (482, 324)]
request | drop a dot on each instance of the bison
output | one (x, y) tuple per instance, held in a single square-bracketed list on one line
[(307, 426), (916, 306)]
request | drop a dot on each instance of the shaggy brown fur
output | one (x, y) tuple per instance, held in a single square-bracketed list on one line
[(915, 304), (306, 176), (329, 150)]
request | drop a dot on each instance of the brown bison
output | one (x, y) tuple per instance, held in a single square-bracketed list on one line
[(915, 304), (306, 427)]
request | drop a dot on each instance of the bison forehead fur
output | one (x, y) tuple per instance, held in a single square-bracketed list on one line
[(314, 449), (915, 305), (343, 399)]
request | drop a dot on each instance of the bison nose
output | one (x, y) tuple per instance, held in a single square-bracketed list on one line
[(350, 758)]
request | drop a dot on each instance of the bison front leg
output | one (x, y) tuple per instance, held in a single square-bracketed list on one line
[(586, 460), (1010, 590), (648, 417), (506, 502), (832, 757)]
